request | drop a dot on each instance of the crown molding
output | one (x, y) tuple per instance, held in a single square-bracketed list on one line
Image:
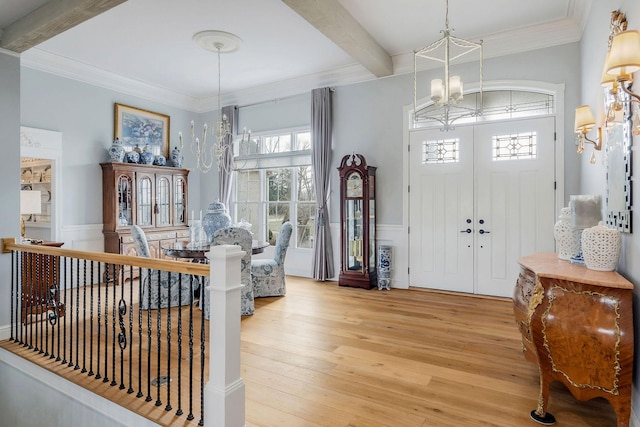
[(41, 60), (9, 52)]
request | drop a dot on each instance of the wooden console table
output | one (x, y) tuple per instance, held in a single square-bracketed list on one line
[(40, 283), (577, 326)]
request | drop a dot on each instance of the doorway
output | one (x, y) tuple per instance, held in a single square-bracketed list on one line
[(481, 196)]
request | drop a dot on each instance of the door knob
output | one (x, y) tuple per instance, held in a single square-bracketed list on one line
[(468, 230), (484, 232)]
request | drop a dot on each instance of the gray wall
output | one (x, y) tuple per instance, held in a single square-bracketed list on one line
[(593, 179), (85, 115), (10, 167)]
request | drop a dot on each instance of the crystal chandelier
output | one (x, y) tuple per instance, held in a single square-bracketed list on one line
[(446, 93), (221, 151)]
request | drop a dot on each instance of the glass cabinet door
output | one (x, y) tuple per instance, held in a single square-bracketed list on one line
[(125, 187), (353, 233), (145, 192), (180, 201), (163, 207)]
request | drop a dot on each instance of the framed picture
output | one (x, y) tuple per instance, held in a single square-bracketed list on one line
[(134, 126)]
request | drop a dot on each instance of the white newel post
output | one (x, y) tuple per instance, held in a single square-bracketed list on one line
[(224, 392)]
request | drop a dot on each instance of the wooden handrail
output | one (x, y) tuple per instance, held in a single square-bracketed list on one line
[(9, 245)]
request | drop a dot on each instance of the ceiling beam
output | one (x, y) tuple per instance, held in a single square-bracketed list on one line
[(49, 20), (335, 22)]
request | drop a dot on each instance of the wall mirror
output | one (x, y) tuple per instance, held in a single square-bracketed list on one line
[(618, 159)]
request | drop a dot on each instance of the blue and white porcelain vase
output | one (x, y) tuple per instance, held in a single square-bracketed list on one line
[(116, 152), (176, 157), (384, 267), (132, 156), (215, 219), (146, 157), (159, 160)]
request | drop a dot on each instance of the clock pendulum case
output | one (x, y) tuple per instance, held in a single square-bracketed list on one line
[(357, 215)]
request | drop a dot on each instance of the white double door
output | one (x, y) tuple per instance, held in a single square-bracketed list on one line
[(472, 218)]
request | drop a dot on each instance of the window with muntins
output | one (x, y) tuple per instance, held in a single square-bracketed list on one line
[(274, 184)]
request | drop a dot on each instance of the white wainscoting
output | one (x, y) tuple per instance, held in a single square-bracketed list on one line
[(83, 237)]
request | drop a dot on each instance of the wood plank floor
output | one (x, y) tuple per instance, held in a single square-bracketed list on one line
[(332, 356)]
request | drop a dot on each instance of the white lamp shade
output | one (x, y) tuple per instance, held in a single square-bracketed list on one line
[(584, 119), (436, 90), (624, 56), (607, 79), (30, 202)]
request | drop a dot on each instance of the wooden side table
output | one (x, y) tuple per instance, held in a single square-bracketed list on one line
[(577, 326), (40, 283)]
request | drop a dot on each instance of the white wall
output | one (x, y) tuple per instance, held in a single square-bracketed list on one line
[(593, 179), (9, 166)]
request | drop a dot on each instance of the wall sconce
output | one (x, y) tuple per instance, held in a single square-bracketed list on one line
[(584, 122), (623, 59)]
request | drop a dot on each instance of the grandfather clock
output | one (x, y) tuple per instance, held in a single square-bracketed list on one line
[(358, 217)]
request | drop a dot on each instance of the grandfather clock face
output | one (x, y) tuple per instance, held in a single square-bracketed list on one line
[(354, 185)]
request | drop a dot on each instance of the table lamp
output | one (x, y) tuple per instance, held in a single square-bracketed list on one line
[(30, 203)]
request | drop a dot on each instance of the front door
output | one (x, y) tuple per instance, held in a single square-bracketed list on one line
[(481, 196)]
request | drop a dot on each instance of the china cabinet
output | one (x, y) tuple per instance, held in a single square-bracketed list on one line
[(152, 197), (577, 327), (358, 218)]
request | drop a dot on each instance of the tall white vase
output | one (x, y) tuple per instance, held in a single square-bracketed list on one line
[(567, 237)]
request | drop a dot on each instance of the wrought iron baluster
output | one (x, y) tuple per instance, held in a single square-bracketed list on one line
[(140, 290), (119, 278), (71, 308), (179, 411), (91, 373), (149, 329), (190, 416), (77, 289), (130, 389), (84, 317), (202, 348), (159, 333), (106, 322), (122, 335), (99, 325), (47, 301), (168, 273), (64, 323)]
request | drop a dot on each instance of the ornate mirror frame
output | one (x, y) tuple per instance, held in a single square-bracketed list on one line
[(619, 140)]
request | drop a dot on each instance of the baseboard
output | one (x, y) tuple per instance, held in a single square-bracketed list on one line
[(634, 421), (5, 332)]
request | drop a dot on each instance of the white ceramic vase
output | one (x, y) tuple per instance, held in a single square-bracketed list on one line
[(601, 248), (567, 237)]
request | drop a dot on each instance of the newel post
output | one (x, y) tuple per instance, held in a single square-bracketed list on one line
[(224, 392)]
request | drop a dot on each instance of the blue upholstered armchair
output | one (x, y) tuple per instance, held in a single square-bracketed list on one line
[(156, 283), (267, 275), (243, 238)]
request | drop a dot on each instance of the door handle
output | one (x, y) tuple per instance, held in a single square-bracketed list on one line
[(468, 230), (483, 231)]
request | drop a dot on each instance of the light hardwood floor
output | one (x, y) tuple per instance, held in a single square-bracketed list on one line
[(325, 355)]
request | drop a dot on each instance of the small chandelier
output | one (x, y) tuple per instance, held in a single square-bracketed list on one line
[(221, 151), (447, 93)]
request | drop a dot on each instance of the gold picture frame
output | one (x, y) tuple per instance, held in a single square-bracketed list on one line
[(135, 126)]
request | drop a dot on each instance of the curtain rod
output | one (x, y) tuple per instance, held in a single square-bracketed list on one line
[(333, 89)]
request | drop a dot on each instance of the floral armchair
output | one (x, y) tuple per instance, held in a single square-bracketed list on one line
[(156, 283), (243, 238), (267, 275)]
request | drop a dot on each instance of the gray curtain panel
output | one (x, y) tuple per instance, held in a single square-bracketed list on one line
[(321, 137), (225, 177)]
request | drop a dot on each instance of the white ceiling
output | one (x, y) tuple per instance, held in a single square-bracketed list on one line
[(148, 43)]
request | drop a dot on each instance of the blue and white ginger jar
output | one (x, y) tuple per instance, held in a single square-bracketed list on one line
[(215, 219), (132, 156), (176, 157), (116, 152), (146, 157), (159, 160)]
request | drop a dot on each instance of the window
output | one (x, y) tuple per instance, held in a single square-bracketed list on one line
[(443, 151), (274, 184), (515, 146)]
